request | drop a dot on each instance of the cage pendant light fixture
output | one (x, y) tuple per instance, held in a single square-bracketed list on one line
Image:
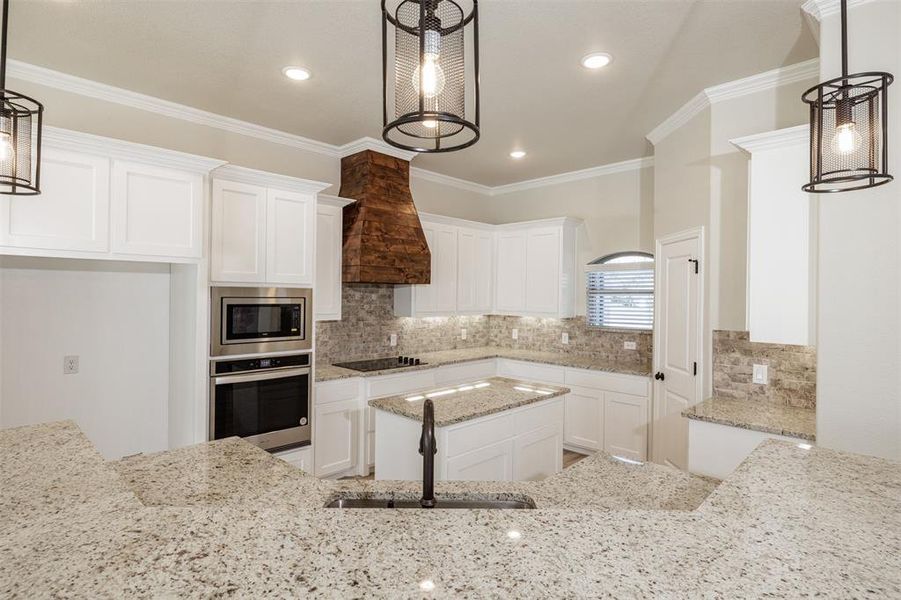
[(430, 74), (848, 128), (20, 132)]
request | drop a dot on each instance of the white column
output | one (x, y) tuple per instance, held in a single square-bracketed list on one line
[(859, 319)]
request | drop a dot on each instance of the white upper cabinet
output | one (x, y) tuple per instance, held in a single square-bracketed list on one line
[(156, 211), (72, 211), (475, 251), (238, 232), (263, 228), (781, 238), (440, 296), (105, 198), (535, 271), (329, 242)]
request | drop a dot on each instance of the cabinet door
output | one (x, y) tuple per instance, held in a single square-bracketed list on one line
[(584, 418), (290, 237), (439, 296), (72, 211), (474, 271), (336, 430), (538, 454), (238, 233), (510, 278), (327, 294), (626, 425), (489, 463), (156, 211), (543, 271)]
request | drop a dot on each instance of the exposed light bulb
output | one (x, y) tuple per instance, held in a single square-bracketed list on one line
[(6, 146), (432, 81), (431, 124), (847, 139)]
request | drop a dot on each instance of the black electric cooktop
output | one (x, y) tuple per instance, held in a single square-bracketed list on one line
[(380, 364)]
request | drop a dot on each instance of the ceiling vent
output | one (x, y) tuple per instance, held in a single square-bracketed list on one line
[(383, 238)]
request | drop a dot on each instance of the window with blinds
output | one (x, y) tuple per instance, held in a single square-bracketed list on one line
[(621, 291)]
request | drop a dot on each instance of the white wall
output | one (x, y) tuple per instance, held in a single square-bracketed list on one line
[(115, 317), (859, 324)]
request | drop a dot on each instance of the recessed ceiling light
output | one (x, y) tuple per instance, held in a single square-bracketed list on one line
[(517, 154), (296, 73), (596, 60)]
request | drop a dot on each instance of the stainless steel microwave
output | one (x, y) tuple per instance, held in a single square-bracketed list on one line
[(260, 320)]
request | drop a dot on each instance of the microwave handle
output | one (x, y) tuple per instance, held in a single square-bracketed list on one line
[(260, 376)]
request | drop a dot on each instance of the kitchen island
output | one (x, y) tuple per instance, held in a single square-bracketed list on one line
[(225, 518), (496, 429)]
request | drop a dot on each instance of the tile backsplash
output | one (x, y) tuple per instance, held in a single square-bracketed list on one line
[(368, 321), (791, 370)]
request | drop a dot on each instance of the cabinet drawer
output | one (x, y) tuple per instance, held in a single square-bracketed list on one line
[(390, 385), (530, 371), (335, 391), (540, 414), (478, 434), (613, 382), (465, 372)]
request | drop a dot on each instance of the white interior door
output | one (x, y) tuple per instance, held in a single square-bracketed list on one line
[(677, 342)]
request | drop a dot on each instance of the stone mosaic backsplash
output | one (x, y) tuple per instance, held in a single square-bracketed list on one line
[(368, 321), (792, 370)]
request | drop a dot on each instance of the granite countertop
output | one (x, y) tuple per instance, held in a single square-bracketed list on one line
[(326, 372), (469, 402), (225, 518), (789, 421)]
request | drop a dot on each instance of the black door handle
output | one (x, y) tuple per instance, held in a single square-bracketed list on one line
[(659, 376)]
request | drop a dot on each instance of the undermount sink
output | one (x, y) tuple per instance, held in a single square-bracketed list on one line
[(470, 503)]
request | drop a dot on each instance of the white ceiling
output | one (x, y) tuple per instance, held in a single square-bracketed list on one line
[(226, 57)]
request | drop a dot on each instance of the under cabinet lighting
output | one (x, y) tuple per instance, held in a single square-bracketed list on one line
[(441, 393), (415, 398)]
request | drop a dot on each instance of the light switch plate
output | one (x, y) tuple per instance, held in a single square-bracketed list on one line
[(516, 334), (463, 334), (393, 339), (70, 365), (630, 345), (760, 374), (564, 337)]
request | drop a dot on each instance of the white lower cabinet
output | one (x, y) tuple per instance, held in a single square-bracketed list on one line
[(538, 454), (584, 418), (625, 425), (337, 433), (302, 458), (493, 462)]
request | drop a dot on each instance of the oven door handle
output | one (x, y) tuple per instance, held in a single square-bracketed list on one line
[(260, 376)]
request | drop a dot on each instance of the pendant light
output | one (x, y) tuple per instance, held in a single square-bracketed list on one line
[(848, 128), (20, 133), (426, 94)]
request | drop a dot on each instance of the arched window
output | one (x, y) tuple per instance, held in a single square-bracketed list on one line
[(621, 291)]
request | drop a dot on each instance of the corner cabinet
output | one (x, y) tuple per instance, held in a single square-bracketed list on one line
[(105, 198), (263, 228), (329, 244), (536, 268)]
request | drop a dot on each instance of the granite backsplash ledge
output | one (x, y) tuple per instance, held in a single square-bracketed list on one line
[(791, 370), (368, 321)]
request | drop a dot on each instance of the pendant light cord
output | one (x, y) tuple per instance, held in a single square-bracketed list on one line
[(844, 39), (3, 45)]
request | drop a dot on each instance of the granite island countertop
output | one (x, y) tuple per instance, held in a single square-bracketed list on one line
[(456, 404), (789, 421), (224, 518), (327, 372)]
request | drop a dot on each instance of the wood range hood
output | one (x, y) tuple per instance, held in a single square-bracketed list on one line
[(383, 238)]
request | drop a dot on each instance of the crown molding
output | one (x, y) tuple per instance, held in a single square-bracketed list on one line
[(336, 201), (368, 143), (589, 173), (77, 141), (820, 9), (552, 222), (266, 179), (780, 138), (455, 221), (809, 69), (461, 184)]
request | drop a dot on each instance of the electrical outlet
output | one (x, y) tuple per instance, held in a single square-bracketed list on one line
[(564, 337), (630, 346), (515, 334), (393, 339), (70, 365), (463, 334), (760, 374)]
